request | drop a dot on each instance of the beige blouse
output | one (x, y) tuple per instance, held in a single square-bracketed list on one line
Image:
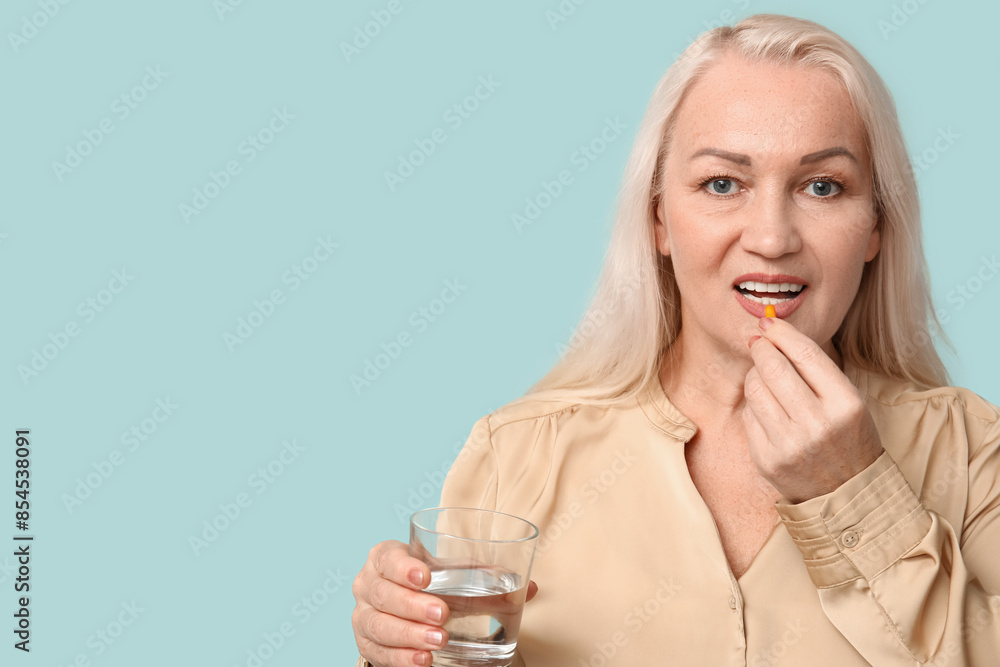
[(898, 566)]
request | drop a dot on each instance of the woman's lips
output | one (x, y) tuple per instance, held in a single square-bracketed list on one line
[(782, 307)]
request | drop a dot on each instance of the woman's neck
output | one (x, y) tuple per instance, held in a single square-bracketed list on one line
[(704, 379)]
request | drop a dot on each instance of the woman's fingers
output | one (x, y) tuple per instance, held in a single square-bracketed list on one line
[(391, 560), (810, 363), (385, 656), (395, 623), (397, 578), (807, 427), (797, 400), (391, 598), (532, 590), (394, 632), (771, 391)]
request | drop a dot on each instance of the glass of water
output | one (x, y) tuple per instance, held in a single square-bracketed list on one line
[(480, 564)]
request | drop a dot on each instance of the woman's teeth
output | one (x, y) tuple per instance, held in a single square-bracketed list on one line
[(781, 291), (766, 300), (770, 287)]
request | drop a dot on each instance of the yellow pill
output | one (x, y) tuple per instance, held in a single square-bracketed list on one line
[(769, 311)]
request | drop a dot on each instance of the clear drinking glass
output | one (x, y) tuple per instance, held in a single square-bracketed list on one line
[(480, 564)]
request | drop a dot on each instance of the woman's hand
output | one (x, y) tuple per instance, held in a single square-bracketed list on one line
[(807, 428), (394, 623)]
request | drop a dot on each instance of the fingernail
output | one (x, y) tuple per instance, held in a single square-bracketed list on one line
[(434, 637), (434, 613), (421, 659), (764, 323), (753, 339), (416, 577)]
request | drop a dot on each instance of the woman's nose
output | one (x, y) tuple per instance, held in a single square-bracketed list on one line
[(770, 226)]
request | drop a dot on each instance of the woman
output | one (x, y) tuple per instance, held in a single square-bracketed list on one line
[(717, 487)]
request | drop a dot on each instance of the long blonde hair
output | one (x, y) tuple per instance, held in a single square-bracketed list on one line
[(635, 313)]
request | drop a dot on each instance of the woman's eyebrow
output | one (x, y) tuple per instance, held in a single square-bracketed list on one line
[(740, 158), (829, 152)]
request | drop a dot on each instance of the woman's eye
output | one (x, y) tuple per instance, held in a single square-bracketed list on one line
[(723, 186), (823, 188)]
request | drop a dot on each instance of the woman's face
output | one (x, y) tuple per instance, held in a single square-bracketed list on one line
[(767, 199)]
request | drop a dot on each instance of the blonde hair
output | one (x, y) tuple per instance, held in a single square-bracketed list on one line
[(635, 313)]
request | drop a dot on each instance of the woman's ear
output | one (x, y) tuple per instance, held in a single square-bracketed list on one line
[(660, 229), (874, 241)]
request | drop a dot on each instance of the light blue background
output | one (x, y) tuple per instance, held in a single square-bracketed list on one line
[(364, 454)]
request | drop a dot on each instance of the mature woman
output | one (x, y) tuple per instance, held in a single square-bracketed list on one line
[(717, 487)]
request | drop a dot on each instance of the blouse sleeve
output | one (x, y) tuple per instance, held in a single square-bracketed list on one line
[(880, 559), (473, 478)]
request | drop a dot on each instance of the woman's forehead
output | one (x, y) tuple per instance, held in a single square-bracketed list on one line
[(766, 107)]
